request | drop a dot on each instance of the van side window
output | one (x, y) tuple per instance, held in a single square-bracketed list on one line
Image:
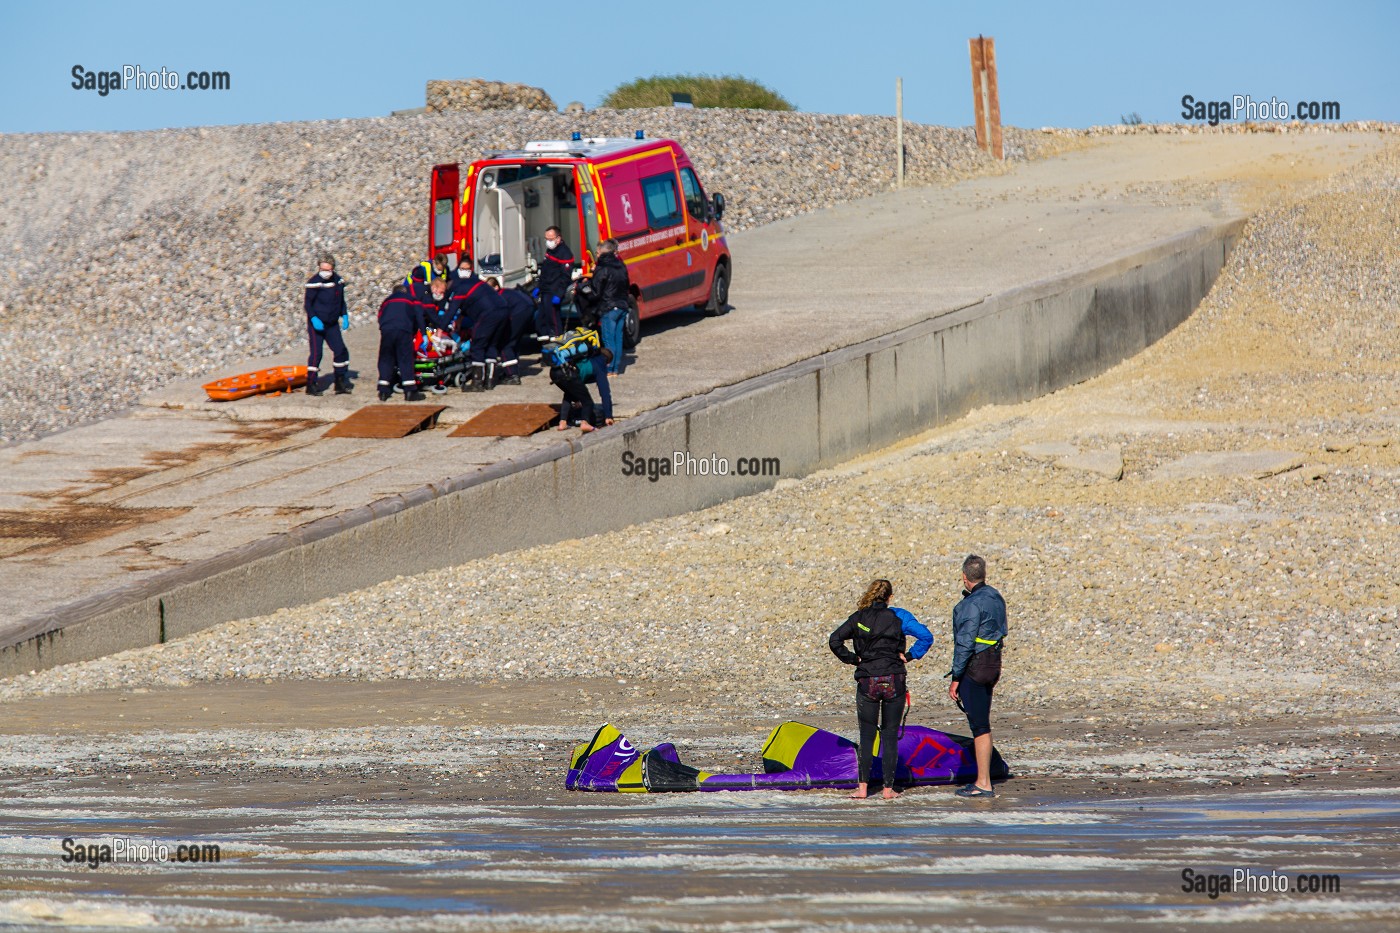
[(659, 192), (442, 223), (694, 194)]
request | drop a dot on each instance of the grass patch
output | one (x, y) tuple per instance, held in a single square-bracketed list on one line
[(726, 91)]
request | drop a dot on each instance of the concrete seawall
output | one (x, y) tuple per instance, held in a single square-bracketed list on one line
[(812, 414)]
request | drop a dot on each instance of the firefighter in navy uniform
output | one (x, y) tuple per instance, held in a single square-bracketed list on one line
[(481, 315), (400, 317), (555, 275), (419, 280), (326, 314), (520, 310)]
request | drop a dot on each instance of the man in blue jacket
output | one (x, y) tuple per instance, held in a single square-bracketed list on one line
[(326, 314), (979, 626)]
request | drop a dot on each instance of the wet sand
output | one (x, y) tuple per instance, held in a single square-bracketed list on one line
[(440, 804)]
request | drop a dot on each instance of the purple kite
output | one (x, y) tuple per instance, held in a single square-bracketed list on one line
[(795, 757)]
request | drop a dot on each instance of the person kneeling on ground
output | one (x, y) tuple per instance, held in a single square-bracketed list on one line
[(878, 633), (572, 378), (400, 317), (979, 626)]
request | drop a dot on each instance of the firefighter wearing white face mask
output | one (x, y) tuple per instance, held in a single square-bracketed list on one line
[(326, 315), (554, 282)]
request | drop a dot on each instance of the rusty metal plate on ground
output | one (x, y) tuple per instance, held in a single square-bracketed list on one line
[(388, 421), (518, 420)]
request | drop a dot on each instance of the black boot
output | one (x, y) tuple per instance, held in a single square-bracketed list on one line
[(411, 393), (313, 383), (477, 380), (385, 392), (490, 374), (342, 382)]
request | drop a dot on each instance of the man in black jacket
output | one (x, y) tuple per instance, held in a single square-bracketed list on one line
[(326, 312), (400, 317), (555, 274), (611, 288)]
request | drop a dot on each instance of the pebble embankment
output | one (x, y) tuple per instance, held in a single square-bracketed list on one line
[(131, 259), (1211, 526)]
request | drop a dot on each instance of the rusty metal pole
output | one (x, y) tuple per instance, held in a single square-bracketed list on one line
[(986, 107), (899, 131)]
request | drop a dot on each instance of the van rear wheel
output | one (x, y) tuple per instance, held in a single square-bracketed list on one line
[(632, 327), (719, 293)]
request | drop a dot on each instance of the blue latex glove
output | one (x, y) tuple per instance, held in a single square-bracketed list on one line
[(554, 300), (535, 294), (345, 322), (316, 324)]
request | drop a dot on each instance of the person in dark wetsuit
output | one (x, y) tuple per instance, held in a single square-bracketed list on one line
[(572, 380), (979, 628), (878, 634)]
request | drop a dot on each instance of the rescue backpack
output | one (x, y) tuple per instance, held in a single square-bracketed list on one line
[(571, 347)]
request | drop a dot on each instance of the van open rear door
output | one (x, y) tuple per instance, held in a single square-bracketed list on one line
[(442, 217)]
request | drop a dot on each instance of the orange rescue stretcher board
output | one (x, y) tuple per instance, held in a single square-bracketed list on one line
[(276, 379)]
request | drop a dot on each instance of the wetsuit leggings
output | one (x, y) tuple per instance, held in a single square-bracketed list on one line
[(977, 702), (883, 715), (574, 390)]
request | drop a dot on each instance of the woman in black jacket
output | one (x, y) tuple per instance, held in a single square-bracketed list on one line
[(611, 287), (878, 637)]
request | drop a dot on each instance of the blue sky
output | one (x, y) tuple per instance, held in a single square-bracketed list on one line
[(1061, 64)]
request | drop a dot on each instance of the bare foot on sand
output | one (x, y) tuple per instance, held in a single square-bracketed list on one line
[(860, 793), (889, 794)]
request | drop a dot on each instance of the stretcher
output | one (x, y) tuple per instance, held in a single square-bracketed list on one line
[(272, 381), (439, 361)]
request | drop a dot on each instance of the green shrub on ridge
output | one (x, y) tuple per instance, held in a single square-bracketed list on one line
[(726, 91)]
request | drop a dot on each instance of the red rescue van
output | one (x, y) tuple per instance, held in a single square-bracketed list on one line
[(644, 193)]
